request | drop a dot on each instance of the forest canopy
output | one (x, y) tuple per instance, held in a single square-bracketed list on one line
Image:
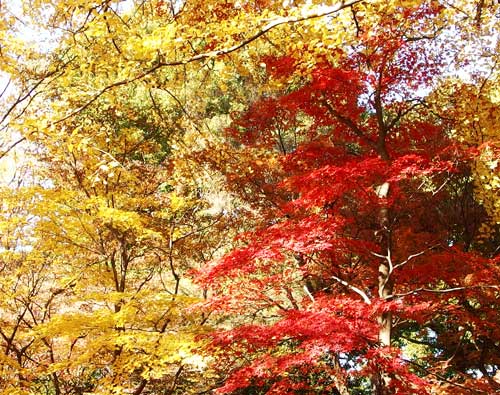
[(249, 197)]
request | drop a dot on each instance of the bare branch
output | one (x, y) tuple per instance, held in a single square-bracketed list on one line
[(360, 292), (308, 293), (416, 255), (11, 147)]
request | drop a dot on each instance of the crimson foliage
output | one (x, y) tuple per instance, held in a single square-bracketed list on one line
[(339, 262)]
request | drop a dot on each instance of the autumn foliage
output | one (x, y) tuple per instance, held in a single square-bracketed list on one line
[(250, 197), (343, 266)]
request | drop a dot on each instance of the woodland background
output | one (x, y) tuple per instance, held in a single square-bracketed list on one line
[(249, 197)]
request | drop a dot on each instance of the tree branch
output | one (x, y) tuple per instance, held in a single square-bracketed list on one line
[(416, 255), (361, 293), (443, 378), (446, 290), (350, 124)]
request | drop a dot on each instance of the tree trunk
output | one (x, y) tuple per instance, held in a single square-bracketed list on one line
[(385, 285)]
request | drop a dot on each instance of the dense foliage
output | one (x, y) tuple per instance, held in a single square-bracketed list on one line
[(250, 197)]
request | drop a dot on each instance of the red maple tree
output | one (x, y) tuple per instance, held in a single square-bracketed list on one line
[(364, 277)]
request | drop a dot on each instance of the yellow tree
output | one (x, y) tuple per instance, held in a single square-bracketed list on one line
[(120, 219), (468, 101), (115, 222)]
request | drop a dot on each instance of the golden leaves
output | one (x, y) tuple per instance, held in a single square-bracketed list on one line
[(135, 339), (474, 116)]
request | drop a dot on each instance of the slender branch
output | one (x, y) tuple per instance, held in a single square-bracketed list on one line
[(176, 378), (446, 290), (350, 124), (402, 114), (6, 87), (111, 156), (11, 147), (415, 341), (271, 25), (108, 28), (182, 107), (141, 387), (432, 36), (308, 293), (355, 18), (434, 193), (31, 92), (416, 255), (378, 255), (360, 292), (389, 261)]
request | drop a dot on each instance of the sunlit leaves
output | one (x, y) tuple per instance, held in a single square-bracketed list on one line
[(161, 129)]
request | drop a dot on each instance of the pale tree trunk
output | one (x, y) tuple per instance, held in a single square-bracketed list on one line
[(385, 284), (340, 379), (381, 380)]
